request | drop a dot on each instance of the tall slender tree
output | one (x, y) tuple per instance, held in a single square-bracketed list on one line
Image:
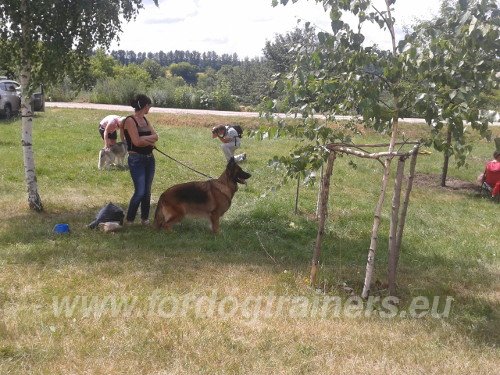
[(54, 38)]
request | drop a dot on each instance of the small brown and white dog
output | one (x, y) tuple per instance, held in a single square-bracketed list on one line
[(115, 155), (210, 198)]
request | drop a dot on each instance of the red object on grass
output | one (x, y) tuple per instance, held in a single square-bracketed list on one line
[(492, 176)]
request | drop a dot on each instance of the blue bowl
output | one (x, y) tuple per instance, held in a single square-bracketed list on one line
[(61, 228)]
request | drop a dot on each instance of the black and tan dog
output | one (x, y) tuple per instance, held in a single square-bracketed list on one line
[(210, 198)]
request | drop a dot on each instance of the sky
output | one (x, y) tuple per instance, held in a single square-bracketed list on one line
[(242, 26)]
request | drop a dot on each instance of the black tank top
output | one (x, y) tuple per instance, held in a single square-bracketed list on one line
[(144, 150)]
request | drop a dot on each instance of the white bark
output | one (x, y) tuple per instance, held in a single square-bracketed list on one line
[(34, 201)]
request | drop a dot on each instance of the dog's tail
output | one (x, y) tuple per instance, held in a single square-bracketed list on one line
[(159, 218)]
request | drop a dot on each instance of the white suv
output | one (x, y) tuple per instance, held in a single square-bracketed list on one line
[(10, 97)]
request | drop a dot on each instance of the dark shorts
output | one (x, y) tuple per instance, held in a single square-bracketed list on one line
[(113, 135)]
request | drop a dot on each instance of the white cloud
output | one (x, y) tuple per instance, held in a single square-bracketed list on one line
[(239, 26)]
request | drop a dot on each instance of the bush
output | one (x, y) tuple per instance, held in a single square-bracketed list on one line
[(162, 98), (280, 105), (62, 92), (183, 97), (162, 93), (133, 71), (116, 90), (223, 99), (207, 100)]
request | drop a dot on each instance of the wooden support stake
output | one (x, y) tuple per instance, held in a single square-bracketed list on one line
[(318, 201), (393, 253), (370, 263), (297, 196), (404, 210)]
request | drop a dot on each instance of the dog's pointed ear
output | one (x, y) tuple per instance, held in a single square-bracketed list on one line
[(231, 162)]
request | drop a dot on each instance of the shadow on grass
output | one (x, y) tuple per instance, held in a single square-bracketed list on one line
[(251, 239), (264, 239)]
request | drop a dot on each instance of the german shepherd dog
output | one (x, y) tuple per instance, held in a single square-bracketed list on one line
[(209, 199)]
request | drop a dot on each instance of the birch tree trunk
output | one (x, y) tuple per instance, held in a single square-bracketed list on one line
[(34, 201), (325, 192), (393, 250)]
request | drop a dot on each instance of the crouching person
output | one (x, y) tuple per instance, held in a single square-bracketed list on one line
[(490, 179), (231, 140)]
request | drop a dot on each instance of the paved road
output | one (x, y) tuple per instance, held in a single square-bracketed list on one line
[(201, 112)]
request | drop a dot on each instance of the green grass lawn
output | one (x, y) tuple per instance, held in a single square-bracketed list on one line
[(193, 302)]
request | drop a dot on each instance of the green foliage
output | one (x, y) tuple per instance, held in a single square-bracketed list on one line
[(281, 52), (185, 97), (154, 69), (281, 55), (456, 59), (201, 60), (492, 100), (442, 71), (117, 90), (102, 66), (222, 98), (310, 153), (64, 91), (333, 73), (54, 39), (162, 92), (184, 70), (8, 58), (134, 72), (248, 82), (207, 80), (169, 92)]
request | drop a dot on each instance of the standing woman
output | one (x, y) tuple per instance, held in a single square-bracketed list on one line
[(141, 138)]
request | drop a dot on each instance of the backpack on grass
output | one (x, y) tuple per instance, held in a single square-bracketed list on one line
[(110, 212)]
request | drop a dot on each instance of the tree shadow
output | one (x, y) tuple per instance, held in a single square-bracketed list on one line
[(259, 239)]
